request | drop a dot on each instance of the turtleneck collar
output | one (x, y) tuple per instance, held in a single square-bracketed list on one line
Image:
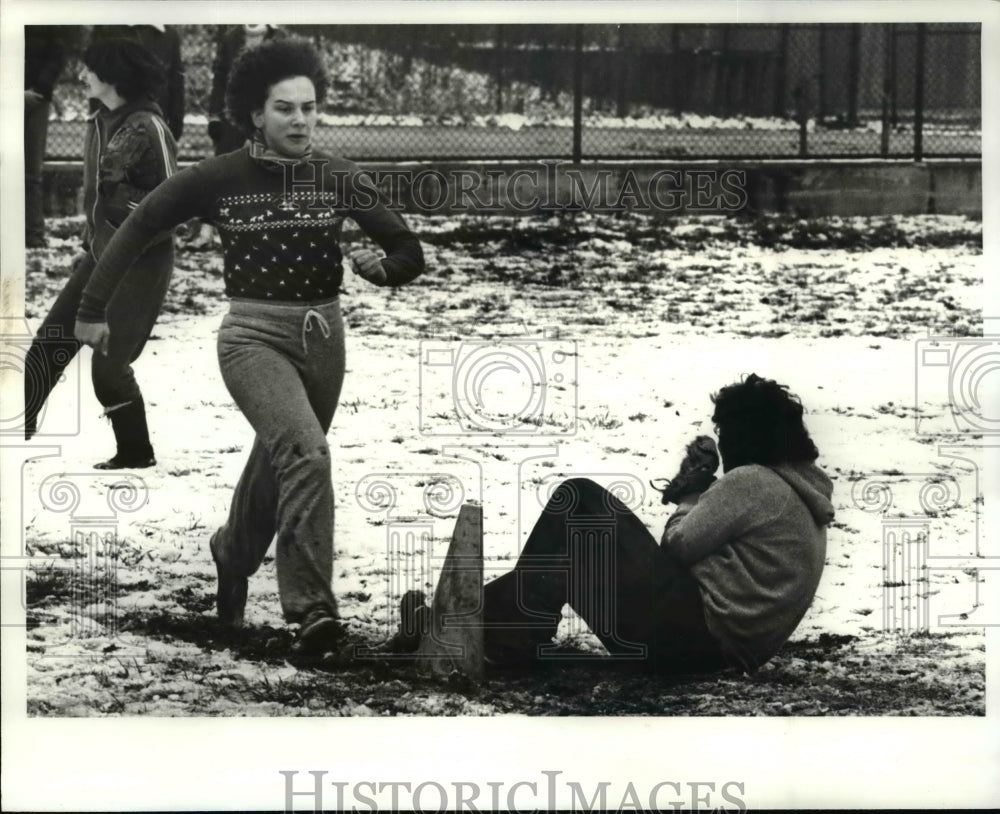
[(269, 159)]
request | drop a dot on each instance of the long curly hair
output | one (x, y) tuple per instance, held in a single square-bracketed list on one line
[(760, 422), (134, 71), (259, 69)]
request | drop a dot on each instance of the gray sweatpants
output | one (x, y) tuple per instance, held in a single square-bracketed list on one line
[(283, 364)]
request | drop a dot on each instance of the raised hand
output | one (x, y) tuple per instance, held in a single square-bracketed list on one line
[(697, 470)]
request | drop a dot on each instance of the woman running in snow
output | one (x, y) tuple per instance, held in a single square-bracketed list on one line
[(278, 205)]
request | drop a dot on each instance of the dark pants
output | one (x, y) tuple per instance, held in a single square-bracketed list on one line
[(284, 367), (36, 128), (131, 314), (588, 550)]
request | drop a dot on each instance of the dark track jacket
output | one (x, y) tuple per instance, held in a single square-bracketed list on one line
[(127, 153)]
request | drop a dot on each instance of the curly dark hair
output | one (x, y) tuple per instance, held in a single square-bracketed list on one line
[(760, 422), (134, 70), (259, 69)]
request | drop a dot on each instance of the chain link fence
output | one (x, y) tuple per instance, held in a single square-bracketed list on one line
[(582, 92)]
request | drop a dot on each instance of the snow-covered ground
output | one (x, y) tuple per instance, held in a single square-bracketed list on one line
[(630, 324)]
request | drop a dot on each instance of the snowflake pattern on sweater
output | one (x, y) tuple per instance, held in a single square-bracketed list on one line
[(280, 230), (272, 245)]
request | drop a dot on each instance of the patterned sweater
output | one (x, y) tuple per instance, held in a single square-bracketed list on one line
[(279, 224)]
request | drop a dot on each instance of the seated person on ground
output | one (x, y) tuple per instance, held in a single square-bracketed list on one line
[(735, 571)]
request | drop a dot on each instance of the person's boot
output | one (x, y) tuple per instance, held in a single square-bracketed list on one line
[(131, 436), (414, 624)]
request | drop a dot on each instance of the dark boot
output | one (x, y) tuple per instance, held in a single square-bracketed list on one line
[(131, 436), (414, 624)]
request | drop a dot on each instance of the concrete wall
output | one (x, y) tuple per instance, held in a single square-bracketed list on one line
[(803, 189)]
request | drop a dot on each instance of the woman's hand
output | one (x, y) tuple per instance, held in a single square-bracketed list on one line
[(95, 334), (367, 264)]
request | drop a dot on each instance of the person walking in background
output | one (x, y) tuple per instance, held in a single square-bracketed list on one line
[(128, 151), (279, 206), (164, 42), (46, 49), (230, 42)]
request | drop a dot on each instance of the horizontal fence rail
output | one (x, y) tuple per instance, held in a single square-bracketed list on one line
[(610, 92)]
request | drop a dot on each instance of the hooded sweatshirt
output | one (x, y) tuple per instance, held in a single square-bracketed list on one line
[(128, 152), (756, 543)]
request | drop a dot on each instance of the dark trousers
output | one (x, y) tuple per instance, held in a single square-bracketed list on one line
[(36, 129), (131, 314), (588, 550)]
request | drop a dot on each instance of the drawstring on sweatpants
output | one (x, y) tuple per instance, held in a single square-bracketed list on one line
[(324, 327)]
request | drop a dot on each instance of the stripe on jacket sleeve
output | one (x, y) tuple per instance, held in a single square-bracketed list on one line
[(168, 163)]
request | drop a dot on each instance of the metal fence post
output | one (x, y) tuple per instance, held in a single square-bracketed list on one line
[(578, 94), (886, 89), (918, 96), (821, 75), (498, 68), (675, 61), (853, 74), (893, 108), (622, 106), (781, 73), (802, 115)]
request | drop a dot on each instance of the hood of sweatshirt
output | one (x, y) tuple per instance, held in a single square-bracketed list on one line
[(812, 485), (111, 120)]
